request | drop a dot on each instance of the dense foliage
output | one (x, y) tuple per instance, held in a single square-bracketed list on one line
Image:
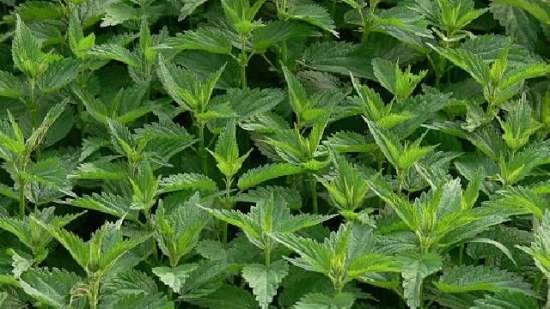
[(275, 154)]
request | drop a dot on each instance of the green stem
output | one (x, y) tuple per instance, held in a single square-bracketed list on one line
[(94, 292), (314, 201), (243, 62), (33, 105), (243, 77), (202, 149), (547, 305), (225, 234), (400, 179), (22, 202), (461, 254), (228, 205), (267, 254)]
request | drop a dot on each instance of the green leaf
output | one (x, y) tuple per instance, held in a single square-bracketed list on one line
[(31, 234), (205, 38), (144, 301), (323, 301), (517, 22), (52, 287), (400, 83), (265, 279), (537, 8), (268, 216), (506, 300), (347, 141), (10, 86), (178, 230), (416, 269), (313, 14), (402, 157), (108, 203), (468, 61), (464, 279), (189, 6), (174, 277), (277, 32), (185, 87), (227, 297), (226, 152), (539, 249), (27, 52), (114, 52), (59, 74), (99, 171), (519, 125), (353, 244), (348, 189), (38, 135), (255, 176), (187, 182)]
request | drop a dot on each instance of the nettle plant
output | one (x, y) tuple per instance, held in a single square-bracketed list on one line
[(275, 154)]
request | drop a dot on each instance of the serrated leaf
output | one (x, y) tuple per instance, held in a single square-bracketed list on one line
[(10, 86), (254, 177), (314, 14), (265, 279), (323, 301), (174, 277), (464, 279), (536, 8), (59, 74), (416, 269), (205, 38), (270, 215), (27, 52), (115, 52), (52, 287), (111, 204), (187, 181), (228, 297), (505, 300)]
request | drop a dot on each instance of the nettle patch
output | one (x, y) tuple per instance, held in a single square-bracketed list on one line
[(281, 154)]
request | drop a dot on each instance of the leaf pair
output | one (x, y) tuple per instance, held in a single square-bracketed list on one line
[(401, 156), (443, 217), (500, 80), (268, 216), (32, 234), (187, 89), (346, 255), (400, 83)]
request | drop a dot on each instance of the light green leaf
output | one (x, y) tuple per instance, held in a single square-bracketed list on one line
[(465, 279), (323, 301), (174, 277), (255, 176), (205, 38), (10, 86), (416, 269), (265, 279), (187, 181)]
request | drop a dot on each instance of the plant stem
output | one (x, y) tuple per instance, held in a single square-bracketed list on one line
[(94, 292), (314, 201), (243, 62), (202, 150), (547, 305), (267, 254), (33, 105), (243, 76), (22, 202), (400, 179)]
